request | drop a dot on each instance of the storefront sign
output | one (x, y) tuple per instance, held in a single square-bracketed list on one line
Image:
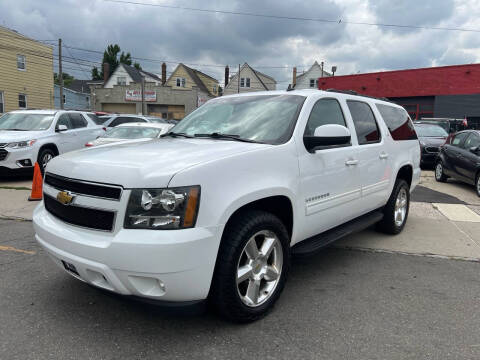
[(136, 95)]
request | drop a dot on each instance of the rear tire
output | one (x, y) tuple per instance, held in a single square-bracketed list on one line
[(439, 174), (477, 184), (395, 213), (252, 266)]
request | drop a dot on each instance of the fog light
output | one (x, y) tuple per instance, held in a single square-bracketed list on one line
[(24, 162)]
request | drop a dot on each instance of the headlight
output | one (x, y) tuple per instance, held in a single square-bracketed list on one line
[(21, 144), (161, 209)]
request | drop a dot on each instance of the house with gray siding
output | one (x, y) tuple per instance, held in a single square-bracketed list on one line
[(309, 79), (72, 99), (250, 80)]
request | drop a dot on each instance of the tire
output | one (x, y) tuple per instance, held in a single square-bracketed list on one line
[(232, 300), (391, 224), (44, 156), (439, 174), (477, 184)]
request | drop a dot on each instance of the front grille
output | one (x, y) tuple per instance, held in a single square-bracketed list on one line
[(113, 192), (80, 216), (3, 154), (431, 149), (2, 145)]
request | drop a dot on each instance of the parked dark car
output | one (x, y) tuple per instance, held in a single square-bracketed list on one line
[(431, 137), (459, 158)]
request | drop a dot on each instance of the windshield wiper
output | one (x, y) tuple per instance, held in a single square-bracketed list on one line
[(15, 129), (175, 134), (216, 135)]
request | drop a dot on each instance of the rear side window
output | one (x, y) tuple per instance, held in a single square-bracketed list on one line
[(398, 122), (95, 119), (364, 121), (78, 121), (325, 111)]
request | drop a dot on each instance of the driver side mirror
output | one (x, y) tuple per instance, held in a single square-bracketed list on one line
[(61, 128), (327, 135), (475, 149)]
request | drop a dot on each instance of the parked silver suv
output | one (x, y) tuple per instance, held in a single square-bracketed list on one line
[(27, 136)]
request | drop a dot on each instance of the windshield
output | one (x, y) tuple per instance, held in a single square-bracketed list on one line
[(430, 131), (264, 118), (131, 132), (25, 121)]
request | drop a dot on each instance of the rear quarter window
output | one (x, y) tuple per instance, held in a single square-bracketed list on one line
[(398, 122)]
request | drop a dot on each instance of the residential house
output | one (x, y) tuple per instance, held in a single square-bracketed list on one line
[(122, 91), (26, 72), (185, 78), (250, 80), (309, 79), (78, 99)]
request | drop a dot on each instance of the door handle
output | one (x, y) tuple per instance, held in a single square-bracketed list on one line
[(383, 155), (351, 162)]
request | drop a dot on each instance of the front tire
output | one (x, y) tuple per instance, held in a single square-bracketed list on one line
[(252, 266), (439, 174), (44, 156), (477, 184), (395, 213)]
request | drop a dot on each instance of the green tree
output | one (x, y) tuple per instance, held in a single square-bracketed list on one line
[(67, 79), (112, 58)]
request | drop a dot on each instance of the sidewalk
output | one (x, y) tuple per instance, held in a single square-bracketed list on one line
[(14, 202)]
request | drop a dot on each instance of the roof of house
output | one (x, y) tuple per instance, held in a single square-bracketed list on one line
[(311, 67), (193, 73), (136, 74), (79, 86)]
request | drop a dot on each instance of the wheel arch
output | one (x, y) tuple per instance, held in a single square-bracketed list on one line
[(405, 172), (50, 146)]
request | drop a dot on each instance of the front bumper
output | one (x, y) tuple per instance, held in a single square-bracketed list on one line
[(14, 156), (168, 265)]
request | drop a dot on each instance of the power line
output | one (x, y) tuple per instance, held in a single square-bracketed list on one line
[(296, 18)]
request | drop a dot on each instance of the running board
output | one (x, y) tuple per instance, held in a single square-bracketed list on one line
[(317, 242)]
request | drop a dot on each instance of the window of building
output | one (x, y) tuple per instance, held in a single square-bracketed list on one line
[(21, 62), (398, 122), (22, 101), (87, 99), (214, 89), (64, 98), (181, 82), (242, 82), (325, 111), (245, 82), (364, 121), (1, 102), (121, 80), (312, 83)]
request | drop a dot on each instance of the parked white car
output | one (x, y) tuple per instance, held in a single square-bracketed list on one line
[(215, 208), (113, 120), (131, 131), (28, 136)]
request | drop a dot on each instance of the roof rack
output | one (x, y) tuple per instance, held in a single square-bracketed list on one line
[(352, 92)]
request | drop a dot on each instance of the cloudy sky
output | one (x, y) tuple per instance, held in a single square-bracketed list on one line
[(209, 41)]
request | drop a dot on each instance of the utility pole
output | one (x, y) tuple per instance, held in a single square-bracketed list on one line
[(322, 69), (143, 95), (60, 73), (238, 82)]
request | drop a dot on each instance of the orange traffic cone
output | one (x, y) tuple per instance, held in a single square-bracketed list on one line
[(37, 184)]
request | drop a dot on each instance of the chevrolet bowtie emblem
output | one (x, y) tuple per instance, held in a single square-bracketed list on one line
[(65, 198)]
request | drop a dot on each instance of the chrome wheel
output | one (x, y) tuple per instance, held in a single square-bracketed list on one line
[(401, 207), (438, 171), (259, 268), (46, 158)]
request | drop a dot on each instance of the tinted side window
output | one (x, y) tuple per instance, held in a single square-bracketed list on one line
[(64, 119), (325, 111), (364, 121), (118, 121), (472, 141), (458, 139), (78, 121), (398, 122), (138, 120), (95, 119)]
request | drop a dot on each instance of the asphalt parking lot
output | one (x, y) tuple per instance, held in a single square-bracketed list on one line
[(411, 296)]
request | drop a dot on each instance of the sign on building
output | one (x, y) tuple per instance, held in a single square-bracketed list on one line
[(136, 95), (201, 99)]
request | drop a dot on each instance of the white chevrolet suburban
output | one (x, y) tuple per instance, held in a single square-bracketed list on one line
[(215, 209), (29, 136)]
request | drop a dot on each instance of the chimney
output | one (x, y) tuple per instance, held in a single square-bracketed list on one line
[(227, 74), (164, 73), (106, 72), (294, 79)]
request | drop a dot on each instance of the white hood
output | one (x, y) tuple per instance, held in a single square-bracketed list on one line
[(8, 136), (146, 164)]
